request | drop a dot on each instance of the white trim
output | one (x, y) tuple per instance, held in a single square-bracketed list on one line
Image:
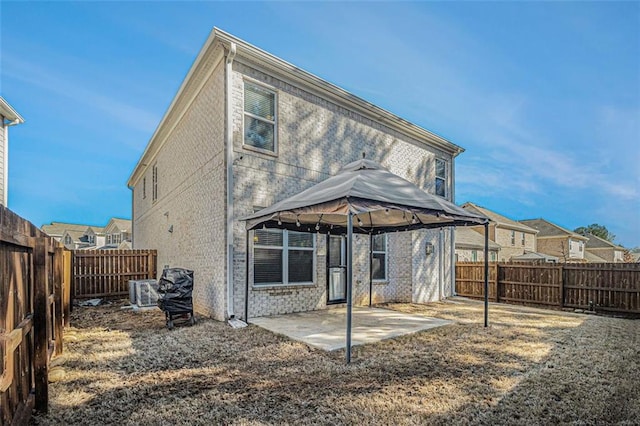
[(153, 147), (301, 78), (5, 165), (285, 260), (228, 69), (274, 92), (386, 258)]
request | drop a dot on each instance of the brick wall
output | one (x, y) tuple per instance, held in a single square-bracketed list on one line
[(315, 139), (191, 199)]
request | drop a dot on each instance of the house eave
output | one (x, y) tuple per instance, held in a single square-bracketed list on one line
[(334, 93), (9, 114), (307, 80)]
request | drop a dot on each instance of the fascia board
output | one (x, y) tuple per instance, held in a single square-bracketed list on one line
[(9, 113), (154, 144), (324, 89)]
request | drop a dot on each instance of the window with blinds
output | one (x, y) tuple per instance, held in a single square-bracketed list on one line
[(282, 257), (259, 117), (379, 257)]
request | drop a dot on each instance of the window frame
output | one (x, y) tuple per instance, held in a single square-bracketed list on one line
[(444, 179), (385, 252), (523, 240), (285, 248), (154, 184), (272, 90), (144, 187), (513, 237)]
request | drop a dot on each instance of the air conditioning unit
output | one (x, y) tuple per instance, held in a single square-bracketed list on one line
[(143, 292)]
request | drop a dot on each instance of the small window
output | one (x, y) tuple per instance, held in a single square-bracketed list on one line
[(282, 257), (154, 183), (441, 178), (513, 238), (259, 117), (493, 256), (379, 257), (523, 240), (474, 255)]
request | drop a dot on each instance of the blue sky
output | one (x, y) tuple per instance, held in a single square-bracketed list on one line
[(544, 96)]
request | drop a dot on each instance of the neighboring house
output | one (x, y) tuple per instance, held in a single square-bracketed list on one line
[(89, 239), (604, 249), (593, 258), (514, 238), (470, 246), (8, 117), (247, 129), (93, 237), (117, 234), (557, 241), (57, 229), (530, 256)]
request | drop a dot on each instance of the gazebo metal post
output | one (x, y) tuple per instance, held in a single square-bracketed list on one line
[(486, 274), (349, 282)]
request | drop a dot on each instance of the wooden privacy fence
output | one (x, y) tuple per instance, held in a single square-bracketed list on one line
[(32, 295), (106, 273), (613, 287)]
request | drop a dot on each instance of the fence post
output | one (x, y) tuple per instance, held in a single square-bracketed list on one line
[(563, 278), (67, 287), (151, 270), (41, 306), (497, 283), (58, 273)]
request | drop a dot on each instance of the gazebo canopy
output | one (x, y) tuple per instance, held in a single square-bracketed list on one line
[(379, 201), (364, 198)]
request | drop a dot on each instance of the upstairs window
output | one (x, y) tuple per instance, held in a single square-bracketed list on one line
[(154, 184), (282, 257), (379, 257), (523, 240), (259, 117), (144, 188), (441, 178), (513, 238)]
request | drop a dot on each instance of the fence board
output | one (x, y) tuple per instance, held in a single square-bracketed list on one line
[(613, 287), (31, 313), (106, 273)]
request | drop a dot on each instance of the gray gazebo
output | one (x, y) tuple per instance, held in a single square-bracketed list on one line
[(363, 197)]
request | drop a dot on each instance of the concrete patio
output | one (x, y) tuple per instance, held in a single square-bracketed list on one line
[(326, 329)]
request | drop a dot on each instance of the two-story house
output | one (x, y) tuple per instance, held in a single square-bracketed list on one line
[(117, 234), (470, 246), (605, 250), (247, 129), (90, 238), (557, 241), (57, 230), (514, 238), (8, 117)]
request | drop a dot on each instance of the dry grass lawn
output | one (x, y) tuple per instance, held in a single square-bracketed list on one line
[(529, 367)]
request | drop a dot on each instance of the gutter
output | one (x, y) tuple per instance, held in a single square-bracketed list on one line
[(229, 146), (6, 124)]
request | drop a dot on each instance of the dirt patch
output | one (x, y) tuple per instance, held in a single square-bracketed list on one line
[(529, 366)]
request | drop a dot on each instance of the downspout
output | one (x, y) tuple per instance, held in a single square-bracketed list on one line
[(5, 176), (5, 163), (452, 229), (440, 262), (229, 142)]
